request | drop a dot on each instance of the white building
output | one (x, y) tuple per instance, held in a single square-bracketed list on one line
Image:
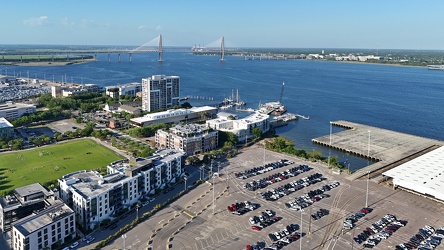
[(160, 92), (130, 89), (242, 128), (12, 110), (94, 197), (75, 89), (6, 128), (191, 138), (423, 175), (174, 116), (45, 229)]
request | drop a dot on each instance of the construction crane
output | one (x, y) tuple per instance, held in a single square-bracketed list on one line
[(282, 92)]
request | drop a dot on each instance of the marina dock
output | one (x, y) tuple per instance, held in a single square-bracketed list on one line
[(385, 148)]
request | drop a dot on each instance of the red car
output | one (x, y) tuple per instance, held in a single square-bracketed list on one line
[(256, 228), (366, 210)]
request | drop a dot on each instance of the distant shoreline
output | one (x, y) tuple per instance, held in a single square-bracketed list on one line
[(387, 64), (47, 63)]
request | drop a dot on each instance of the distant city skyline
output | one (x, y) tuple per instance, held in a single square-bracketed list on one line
[(372, 24)]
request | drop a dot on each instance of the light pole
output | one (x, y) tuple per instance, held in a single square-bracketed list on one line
[(137, 209), (366, 194), (264, 153), (368, 147), (329, 148), (300, 232), (213, 195), (123, 237), (185, 179)]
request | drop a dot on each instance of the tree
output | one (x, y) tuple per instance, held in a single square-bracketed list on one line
[(257, 132), (231, 117), (186, 105)]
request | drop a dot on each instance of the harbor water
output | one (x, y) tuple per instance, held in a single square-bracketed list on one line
[(403, 99)]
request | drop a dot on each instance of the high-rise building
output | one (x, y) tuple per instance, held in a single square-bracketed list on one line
[(159, 92)]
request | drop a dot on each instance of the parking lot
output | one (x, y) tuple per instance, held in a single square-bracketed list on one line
[(189, 223), (225, 230)]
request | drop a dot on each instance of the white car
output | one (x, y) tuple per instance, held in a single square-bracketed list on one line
[(74, 245)]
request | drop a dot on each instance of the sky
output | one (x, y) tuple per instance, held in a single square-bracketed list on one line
[(371, 24)]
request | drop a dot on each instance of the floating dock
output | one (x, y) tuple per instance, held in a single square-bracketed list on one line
[(385, 148)]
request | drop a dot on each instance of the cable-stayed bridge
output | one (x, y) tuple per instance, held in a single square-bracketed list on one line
[(153, 46)]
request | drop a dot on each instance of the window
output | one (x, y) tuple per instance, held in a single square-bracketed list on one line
[(53, 227)]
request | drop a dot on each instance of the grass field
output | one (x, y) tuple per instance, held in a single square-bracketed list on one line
[(51, 162)]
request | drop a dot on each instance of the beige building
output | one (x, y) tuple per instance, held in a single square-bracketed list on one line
[(191, 138)]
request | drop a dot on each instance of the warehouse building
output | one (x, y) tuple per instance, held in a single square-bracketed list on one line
[(423, 175)]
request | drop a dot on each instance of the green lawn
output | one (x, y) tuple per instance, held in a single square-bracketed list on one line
[(51, 162)]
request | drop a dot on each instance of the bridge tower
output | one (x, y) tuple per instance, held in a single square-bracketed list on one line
[(160, 49), (222, 49)]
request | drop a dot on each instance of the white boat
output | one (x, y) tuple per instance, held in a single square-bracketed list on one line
[(435, 67)]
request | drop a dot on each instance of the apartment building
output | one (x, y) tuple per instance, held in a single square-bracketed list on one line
[(21, 203), (191, 138), (45, 229), (94, 197), (160, 92)]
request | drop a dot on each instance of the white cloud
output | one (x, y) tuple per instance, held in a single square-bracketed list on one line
[(158, 28), (36, 21), (66, 22), (143, 27)]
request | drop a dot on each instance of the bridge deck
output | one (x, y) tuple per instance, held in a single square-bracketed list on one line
[(386, 146)]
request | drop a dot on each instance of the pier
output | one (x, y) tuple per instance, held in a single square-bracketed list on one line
[(384, 148)]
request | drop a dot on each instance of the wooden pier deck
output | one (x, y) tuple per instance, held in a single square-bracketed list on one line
[(386, 147)]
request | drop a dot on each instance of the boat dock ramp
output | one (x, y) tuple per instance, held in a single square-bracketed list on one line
[(385, 148)]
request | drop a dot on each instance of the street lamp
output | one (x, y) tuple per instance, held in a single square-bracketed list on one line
[(185, 179), (123, 237)]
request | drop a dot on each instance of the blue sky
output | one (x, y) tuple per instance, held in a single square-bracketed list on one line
[(373, 24)]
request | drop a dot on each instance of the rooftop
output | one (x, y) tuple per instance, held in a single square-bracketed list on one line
[(5, 123), (31, 189), (11, 105), (188, 129), (91, 183), (425, 173), (34, 222), (171, 113)]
